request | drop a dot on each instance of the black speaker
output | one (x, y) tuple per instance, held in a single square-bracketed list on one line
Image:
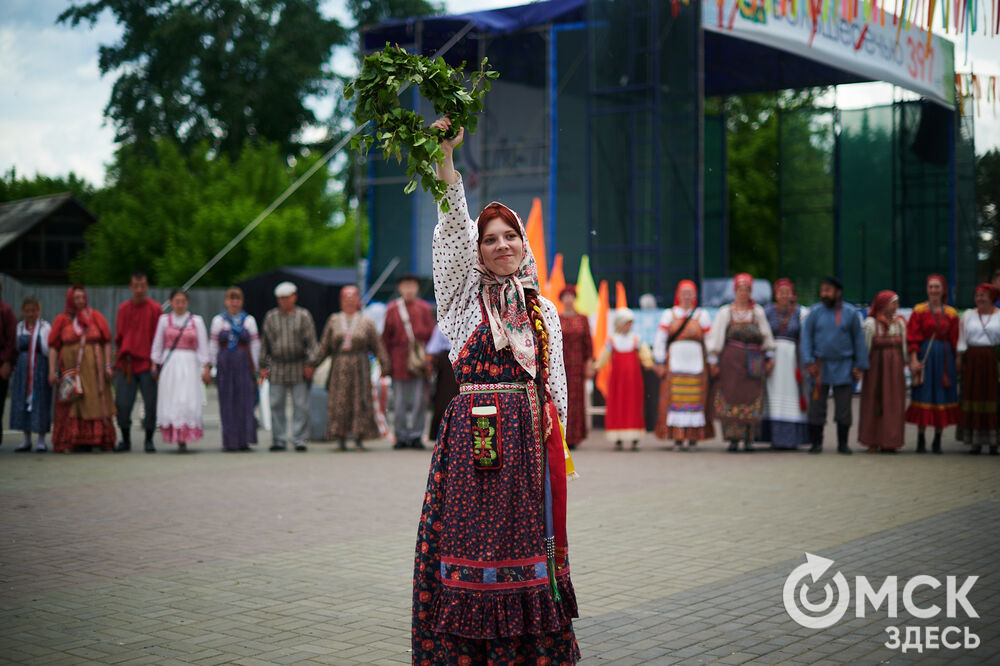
[(934, 133)]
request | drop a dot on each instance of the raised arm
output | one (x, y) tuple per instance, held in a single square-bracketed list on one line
[(456, 284)]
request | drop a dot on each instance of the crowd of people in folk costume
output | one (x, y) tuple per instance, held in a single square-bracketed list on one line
[(765, 373), (74, 378)]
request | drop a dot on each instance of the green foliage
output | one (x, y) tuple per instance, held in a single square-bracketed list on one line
[(216, 71), (370, 12), (752, 162), (383, 75), (14, 187), (169, 213), (988, 205)]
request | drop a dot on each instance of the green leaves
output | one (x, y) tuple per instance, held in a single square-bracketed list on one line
[(384, 74)]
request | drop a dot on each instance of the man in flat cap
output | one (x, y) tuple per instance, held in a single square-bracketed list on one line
[(288, 347), (834, 353)]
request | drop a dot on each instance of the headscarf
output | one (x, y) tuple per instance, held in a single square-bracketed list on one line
[(990, 290), (683, 284), (740, 279), (944, 285), (883, 300), (785, 282), (622, 317), (81, 316), (506, 309)]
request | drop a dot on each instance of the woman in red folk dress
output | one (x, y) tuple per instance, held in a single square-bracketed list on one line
[(578, 357), (84, 422), (931, 337), (491, 580), (623, 417)]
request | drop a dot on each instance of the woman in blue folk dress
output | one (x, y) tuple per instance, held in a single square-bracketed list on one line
[(31, 394), (491, 577)]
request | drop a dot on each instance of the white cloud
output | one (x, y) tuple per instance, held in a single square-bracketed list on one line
[(51, 110)]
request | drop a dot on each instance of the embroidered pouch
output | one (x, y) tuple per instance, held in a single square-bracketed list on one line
[(486, 448)]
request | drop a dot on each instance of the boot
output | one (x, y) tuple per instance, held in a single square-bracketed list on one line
[(734, 445), (993, 450), (148, 445), (343, 444), (126, 443), (748, 446), (359, 445), (842, 432), (936, 443), (816, 438), (921, 443)]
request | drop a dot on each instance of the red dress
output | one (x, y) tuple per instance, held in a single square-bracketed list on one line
[(933, 337), (87, 420), (577, 350), (624, 418)]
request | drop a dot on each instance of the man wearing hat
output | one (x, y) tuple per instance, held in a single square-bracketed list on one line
[(834, 353), (288, 350)]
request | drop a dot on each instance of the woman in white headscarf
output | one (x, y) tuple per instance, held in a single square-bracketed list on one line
[(623, 415), (491, 574)]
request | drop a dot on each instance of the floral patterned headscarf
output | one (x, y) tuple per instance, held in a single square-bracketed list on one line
[(506, 309)]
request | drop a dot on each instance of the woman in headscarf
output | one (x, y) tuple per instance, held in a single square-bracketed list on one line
[(785, 423), (931, 337), (978, 346), (623, 415), (31, 395), (578, 357), (349, 338), (679, 352), (883, 391), (80, 341), (740, 350), (234, 352), (491, 579)]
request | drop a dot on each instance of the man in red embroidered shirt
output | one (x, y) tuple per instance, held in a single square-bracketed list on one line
[(397, 336), (134, 330)]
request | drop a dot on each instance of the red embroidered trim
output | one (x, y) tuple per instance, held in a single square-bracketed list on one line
[(488, 564)]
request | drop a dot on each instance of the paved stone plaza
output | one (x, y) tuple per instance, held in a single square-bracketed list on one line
[(278, 558)]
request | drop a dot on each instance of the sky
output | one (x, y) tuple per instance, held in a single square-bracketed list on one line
[(51, 112)]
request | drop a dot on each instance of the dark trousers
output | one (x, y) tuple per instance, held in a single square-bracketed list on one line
[(841, 405), (125, 391), (4, 385)]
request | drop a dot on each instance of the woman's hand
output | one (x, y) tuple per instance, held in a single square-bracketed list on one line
[(53, 377), (713, 369), (206, 375), (446, 167), (769, 366)]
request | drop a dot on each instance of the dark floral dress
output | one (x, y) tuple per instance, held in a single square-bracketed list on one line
[(481, 592)]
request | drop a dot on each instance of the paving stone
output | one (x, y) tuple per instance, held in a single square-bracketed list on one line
[(677, 558)]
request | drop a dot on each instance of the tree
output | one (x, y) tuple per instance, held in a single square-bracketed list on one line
[(753, 171), (217, 71), (168, 214), (369, 12), (988, 205), (14, 187)]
